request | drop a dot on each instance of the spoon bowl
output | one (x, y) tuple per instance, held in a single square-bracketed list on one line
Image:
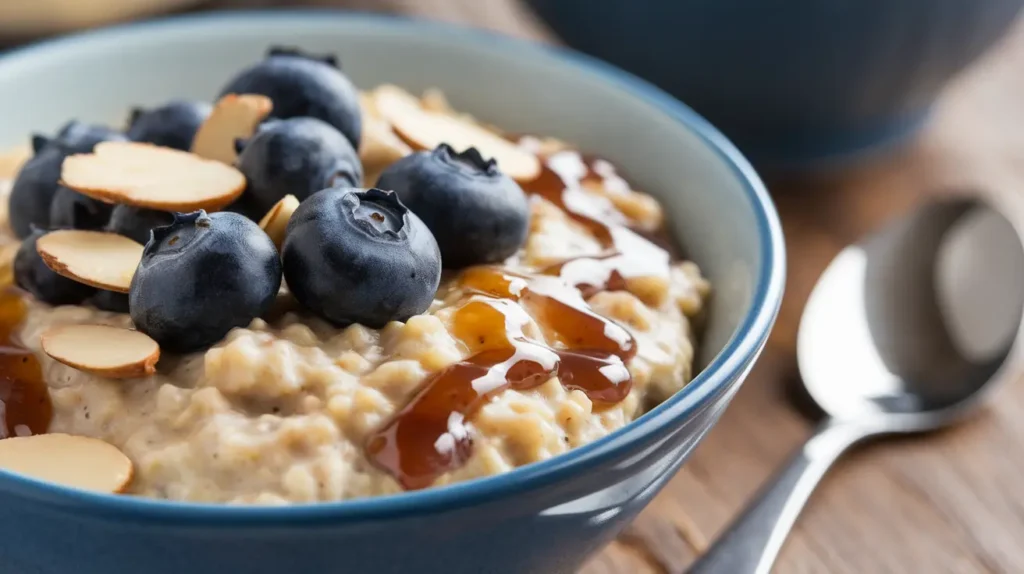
[(913, 323), (905, 331)]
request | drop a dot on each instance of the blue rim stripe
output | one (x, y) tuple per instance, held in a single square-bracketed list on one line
[(727, 365)]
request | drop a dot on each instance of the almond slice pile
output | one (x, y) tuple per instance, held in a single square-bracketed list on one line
[(150, 176), (75, 461), (275, 222), (424, 129), (379, 146), (103, 260), (235, 116), (102, 350)]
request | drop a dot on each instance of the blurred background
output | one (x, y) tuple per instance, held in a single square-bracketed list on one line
[(797, 84), (22, 20)]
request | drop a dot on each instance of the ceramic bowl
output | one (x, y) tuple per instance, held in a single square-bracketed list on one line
[(801, 83), (546, 517)]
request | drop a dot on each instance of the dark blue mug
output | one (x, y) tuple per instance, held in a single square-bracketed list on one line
[(791, 82)]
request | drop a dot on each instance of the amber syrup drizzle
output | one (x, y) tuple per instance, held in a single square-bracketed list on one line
[(25, 406), (587, 352)]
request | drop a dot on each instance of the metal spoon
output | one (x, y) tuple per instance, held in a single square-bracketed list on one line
[(904, 332)]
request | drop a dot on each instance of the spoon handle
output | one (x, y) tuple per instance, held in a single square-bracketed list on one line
[(751, 543)]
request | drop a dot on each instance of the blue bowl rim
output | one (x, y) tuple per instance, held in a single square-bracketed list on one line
[(728, 365)]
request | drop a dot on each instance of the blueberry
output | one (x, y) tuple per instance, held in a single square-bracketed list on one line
[(299, 156), (32, 275), (34, 189), (36, 183), (78, 137), (359, 256), (72, 210), (329, 59), (109, 301), (137, 222), (39, 142), (172, 125), (477, 214), (200, 277), (304, 85)]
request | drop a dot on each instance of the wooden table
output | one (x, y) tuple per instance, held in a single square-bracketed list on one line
[(950, 502)]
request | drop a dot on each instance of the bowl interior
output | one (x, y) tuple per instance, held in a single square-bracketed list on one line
[(520, 88)]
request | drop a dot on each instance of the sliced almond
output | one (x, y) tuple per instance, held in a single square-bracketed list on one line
[(425, 129), (102, 350), (275, 222), (12, 159), (379, 145), (379, 148), (434, 100), (150, 176), (75, 461), (235, 116), (104, 260)]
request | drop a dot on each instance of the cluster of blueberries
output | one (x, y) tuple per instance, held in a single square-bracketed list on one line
[(350, 255)]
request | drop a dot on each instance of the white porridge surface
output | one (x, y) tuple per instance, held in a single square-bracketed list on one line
[(280, 412)]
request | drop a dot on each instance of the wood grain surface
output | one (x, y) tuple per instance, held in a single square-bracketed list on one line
[(950, 502)]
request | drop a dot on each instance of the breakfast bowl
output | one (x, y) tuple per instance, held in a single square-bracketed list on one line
[(542, 515)]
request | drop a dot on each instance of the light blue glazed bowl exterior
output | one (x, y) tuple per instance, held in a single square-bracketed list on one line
[(546, 517), (793, 83)]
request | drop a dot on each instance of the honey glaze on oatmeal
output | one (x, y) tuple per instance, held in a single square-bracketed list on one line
[(628, 254), (25, 407), (586, 351)]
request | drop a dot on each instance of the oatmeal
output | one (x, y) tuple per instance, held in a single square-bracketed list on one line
[(583, 327)]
